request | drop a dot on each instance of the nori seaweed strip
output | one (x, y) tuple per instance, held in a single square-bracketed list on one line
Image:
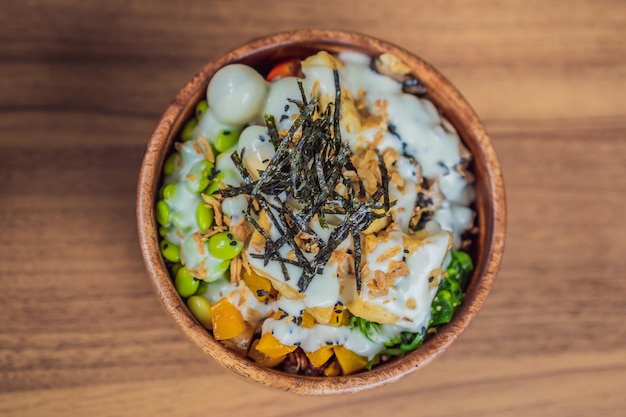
[(331, 183), (336, 126), (278, 259), (298, 103), (270, 122), (270, 247), (302, 93), (359, 220), (331, 210), (356, 239), (271, 251), (309, 169), (280, 158), (237, 160), (297, 166), (304, 227), (291, 233), (286, 231), (319, 170), (350, 189), (384, 175)]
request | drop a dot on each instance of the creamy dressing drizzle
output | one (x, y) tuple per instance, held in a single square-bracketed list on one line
[(414, 130)]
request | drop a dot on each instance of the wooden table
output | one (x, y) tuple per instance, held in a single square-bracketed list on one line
[(81, 87)]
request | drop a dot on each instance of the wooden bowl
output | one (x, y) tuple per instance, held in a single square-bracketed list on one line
[(490, 206)]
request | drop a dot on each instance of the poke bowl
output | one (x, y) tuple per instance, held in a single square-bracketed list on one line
[(321, 211)]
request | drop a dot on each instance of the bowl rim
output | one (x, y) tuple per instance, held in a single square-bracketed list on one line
[(149, 177)]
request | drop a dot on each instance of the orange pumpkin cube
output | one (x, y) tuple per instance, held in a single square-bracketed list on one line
[(226, 320), (349, 361), (320, 356), (270, 346)]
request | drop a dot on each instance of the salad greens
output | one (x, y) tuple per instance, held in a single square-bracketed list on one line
[(451, 289), (448, 297)]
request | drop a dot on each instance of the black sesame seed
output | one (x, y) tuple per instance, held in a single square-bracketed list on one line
[(266, 160), (406, 251), (226, 132), (233, 243), (283, 118), (286, 107), (262, 138), (446, 170), (230, 236)]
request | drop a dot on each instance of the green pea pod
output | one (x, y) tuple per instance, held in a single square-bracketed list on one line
[(204, 216), (170, 251)]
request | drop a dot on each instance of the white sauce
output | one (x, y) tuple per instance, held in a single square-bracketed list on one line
[(256, 148), (238, 99)]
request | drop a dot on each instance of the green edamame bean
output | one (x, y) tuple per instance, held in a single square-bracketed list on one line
[(201, 310), (170, 251), (163, 231), (201, 172), (170, 165), (206, 170), (169, 191), (187, 132), (203, 287), (175, 268), (186, 285), (201, 108), (224, 246), (226, 139), (213, 187), (163, 213), (204, 216)]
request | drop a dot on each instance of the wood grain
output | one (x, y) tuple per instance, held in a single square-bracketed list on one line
[(82, 85)]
